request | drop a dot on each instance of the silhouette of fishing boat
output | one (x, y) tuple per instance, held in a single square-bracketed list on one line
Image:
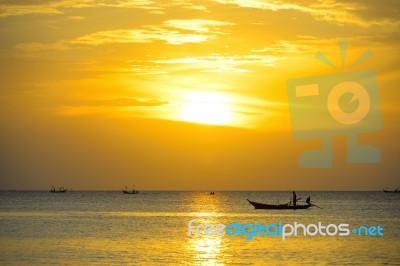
[(286, 206), (397, 190), (127, 191), (60, 190)]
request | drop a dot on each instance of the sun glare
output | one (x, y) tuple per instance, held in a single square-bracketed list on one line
[(206, 108)]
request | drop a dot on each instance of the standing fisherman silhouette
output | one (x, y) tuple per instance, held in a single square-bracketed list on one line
[(308, 201), (294, 199)]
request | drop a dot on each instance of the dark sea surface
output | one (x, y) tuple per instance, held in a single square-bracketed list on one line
[(151, 228)]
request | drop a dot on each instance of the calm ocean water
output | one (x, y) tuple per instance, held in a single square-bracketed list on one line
[(110, 228)]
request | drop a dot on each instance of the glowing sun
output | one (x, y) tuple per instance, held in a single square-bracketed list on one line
[(206, 108)]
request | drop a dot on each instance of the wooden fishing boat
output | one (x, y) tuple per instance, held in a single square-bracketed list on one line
[(60, 190), (277, 206), (128, 191), (392, 191)]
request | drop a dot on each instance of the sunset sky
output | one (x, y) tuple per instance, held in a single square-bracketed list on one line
[(183, 95)]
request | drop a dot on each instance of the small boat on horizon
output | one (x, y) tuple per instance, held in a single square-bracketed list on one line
[(286, 206), (127, 191), (397, 190), (60, 190)]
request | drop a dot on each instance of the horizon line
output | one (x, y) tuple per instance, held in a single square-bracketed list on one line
[(202, 190)]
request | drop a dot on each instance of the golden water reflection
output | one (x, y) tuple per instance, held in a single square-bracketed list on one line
[(207, 249)]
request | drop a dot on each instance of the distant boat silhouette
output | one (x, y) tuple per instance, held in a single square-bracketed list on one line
[(212, 193), (60, 190), (286, 206), (127, 191), (392, 191)]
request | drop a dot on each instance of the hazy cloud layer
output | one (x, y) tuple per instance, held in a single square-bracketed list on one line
[(127, 102), (74, 48)]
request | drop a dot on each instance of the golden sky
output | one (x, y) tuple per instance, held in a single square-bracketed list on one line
[(98, 94)]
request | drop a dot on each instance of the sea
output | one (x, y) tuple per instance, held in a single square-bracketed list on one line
[(152, 228)]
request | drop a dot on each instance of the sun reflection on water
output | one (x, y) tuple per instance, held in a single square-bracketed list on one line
[(205, 249)]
